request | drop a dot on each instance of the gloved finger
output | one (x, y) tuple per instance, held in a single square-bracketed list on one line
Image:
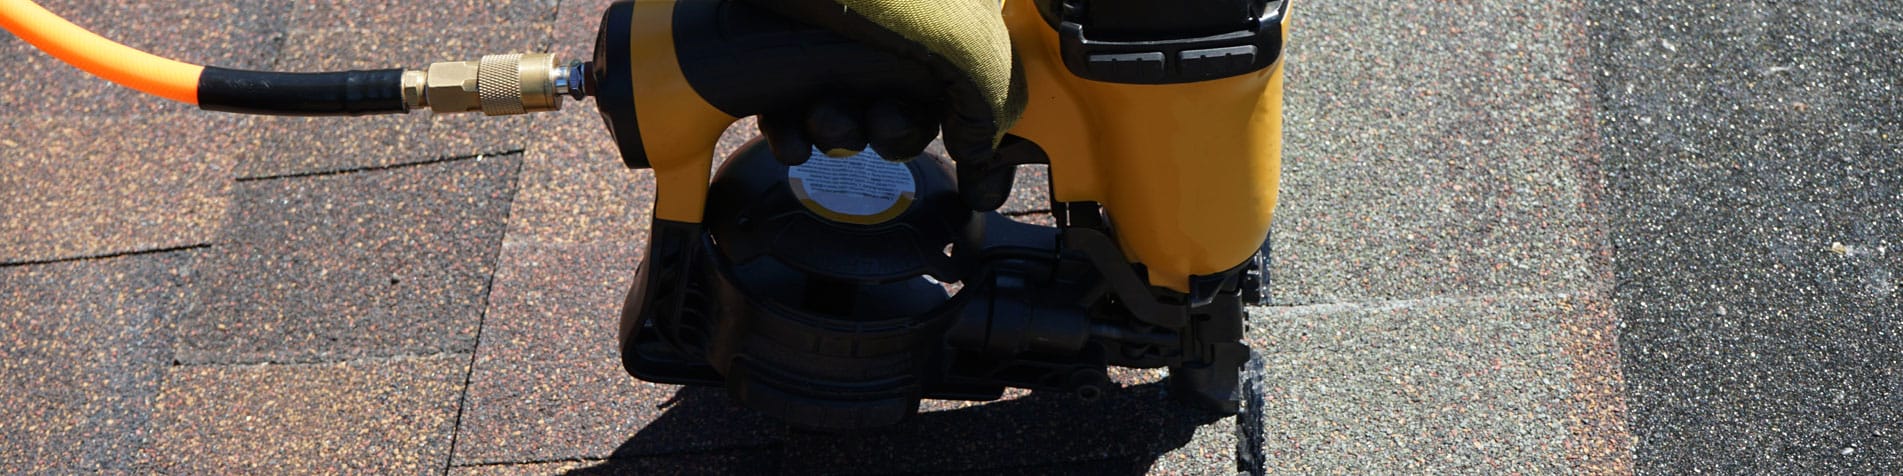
[(984, 188), (965, 42), (833, 126), (786, 135), (968, 124), (899, 131)]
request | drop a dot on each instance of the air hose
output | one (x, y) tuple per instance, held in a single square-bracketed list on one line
[(495, 85)]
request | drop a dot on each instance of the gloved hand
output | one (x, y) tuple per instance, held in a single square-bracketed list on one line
[(965, 43)]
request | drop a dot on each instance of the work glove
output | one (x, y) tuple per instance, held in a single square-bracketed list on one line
[(964, 42)]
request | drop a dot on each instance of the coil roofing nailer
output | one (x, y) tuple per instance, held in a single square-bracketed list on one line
[(819, 291)]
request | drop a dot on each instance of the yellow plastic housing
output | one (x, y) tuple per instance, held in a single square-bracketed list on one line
[(678, 128), (1186, 172)]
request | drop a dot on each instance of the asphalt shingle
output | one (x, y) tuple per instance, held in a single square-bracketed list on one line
[(418, 19), (82, 347), (576, 190), (1754, 157), (393, 416), (1430, 150), (1431, 386), (729, 462), (76, 188), (548, 382), (1031, 193), (272, 146), (577, 23), (376, 263)]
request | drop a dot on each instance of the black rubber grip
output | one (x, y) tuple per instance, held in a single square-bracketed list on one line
[(745, 60), (343, 93)]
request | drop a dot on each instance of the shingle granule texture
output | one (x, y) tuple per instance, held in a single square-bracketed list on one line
[(548, 383), (1754, 156), (82, 347), (1420, 387), (745, 461), (406, 17), (75, 188), (579, 191), (384, 416), (1428, 152), (376, 263)]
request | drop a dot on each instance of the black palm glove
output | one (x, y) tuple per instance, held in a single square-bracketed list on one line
[(965, 43)]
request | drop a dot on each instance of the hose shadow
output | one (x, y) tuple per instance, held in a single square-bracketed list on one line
[(1123, 432)]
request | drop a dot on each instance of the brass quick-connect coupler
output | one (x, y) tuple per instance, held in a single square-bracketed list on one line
[(497, 85)]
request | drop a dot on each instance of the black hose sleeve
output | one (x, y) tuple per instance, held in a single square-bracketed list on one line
[(343, 93)]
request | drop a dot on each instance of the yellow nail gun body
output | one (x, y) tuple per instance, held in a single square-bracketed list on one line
[(1188, 171), (1164, 153)]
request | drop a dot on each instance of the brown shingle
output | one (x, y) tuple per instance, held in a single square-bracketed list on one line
[(82, 346), (372, 417), (73, 188), (374, 263), (548, 382)]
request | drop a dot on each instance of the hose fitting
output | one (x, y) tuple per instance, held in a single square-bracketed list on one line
[(497, 85)]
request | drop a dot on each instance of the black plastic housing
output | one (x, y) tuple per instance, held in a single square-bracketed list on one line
[(845, 326), (1166, 42), (611, 82)]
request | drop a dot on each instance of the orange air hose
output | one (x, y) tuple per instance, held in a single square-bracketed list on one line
[(352, 93), (162, 77)]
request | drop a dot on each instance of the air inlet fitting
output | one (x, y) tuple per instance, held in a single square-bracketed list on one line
[(497, 85)]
